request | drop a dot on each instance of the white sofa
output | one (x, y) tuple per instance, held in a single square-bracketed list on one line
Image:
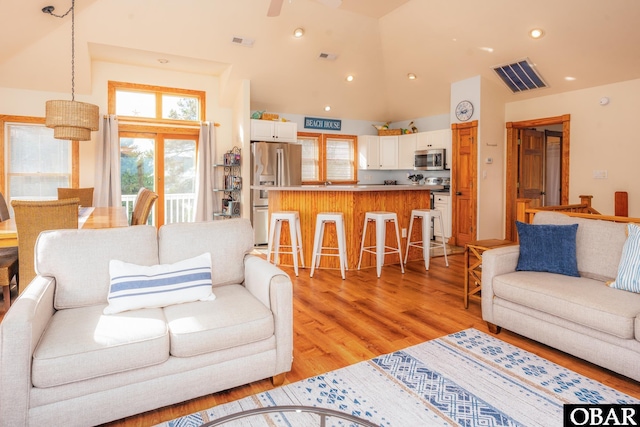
[(64, 362), (578, 315)]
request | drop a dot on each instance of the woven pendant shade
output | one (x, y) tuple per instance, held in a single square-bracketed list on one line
[(72, 120)]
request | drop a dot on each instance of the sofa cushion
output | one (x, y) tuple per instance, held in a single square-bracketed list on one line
[(227, 242), (547, 247), (83, 343), (140, 286), (598, 243), (628, 277), (235, 318), (587, 302), (83, 280)]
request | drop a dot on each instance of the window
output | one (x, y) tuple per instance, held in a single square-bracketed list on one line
[(144, 103), (328, 157), (35, 163), (154, 152)]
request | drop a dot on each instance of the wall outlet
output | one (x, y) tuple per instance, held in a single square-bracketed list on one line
[(404, 233), (600, 174)]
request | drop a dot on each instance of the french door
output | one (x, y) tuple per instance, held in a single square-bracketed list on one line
[(164, 163)]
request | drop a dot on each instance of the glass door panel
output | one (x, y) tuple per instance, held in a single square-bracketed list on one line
[(179, 179), (137, 169)]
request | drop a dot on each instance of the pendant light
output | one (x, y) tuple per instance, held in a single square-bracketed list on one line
[(71, 120)]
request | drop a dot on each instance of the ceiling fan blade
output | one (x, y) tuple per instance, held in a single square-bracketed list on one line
[(274, 8)]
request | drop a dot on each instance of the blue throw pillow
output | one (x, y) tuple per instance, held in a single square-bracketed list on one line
[(548, 247)]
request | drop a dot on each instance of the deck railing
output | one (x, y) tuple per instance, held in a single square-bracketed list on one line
[(177, 207)]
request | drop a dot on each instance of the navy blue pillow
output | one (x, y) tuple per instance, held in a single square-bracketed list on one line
[(548, 247)]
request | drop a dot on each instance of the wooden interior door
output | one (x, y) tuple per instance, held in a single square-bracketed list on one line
[(464, 182), (532, 166)]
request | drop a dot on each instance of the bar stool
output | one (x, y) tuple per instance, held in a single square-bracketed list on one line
[(293, 218), (321, 219), (381, 218), (426, 215)]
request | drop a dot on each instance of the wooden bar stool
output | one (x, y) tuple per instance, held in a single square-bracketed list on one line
[(425, 215), (321, 219), (293, 218), (381, 219)]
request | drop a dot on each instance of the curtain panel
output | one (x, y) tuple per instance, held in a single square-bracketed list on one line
[(205, 181), (108, 191)]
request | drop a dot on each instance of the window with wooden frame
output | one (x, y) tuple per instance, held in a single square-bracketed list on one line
[(33, 164), (158, 129), (328, 158)]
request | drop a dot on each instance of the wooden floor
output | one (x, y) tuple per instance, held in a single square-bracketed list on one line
[(341, 322)]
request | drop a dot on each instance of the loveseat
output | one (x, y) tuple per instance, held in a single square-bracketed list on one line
[(579, 315), (63, 361)]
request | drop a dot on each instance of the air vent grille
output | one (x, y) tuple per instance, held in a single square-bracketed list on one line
[(327, 56), (520, 76), (243, 41)]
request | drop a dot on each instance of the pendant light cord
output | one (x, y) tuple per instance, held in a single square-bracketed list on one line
[(49, 10)]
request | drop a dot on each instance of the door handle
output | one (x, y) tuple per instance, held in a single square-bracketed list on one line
[(458, 193)]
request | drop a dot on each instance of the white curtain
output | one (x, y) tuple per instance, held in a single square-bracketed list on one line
[(205, 179), (107, 190)]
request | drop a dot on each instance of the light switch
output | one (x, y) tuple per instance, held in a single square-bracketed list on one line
[(600, 174)]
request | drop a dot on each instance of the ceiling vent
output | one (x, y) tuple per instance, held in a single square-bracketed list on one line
[(327, 56), (520, 76), (243, 41)]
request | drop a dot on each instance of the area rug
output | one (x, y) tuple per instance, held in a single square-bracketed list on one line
[(464, 379)]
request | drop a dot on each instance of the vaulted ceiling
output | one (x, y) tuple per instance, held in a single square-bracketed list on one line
[(379, 42)]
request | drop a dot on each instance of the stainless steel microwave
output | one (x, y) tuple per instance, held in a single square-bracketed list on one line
[(430, 160)]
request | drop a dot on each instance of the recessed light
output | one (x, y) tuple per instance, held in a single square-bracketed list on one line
[(487, 49), (411, 76), (349, 78), (569, 78), (327, 108), (163, 61), (536, 33), (298, 32)]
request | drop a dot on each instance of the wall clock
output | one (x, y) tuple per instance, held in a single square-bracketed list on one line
[(464, 110)]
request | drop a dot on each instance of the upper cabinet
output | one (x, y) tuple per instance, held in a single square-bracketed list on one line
[(388, 152), (406, 150), (368, 152), (274, 131)]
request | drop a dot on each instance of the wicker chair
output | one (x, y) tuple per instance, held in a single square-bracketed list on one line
[(8, 261), (31, 218), (84, 194), (142, 208)]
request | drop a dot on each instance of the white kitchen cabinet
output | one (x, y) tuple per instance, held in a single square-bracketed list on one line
[(406, 150), (275, 131), (442, 202), (388, 152), (368, 152), (436, 139)]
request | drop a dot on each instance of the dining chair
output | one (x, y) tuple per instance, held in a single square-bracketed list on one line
[(84, 194), (142, 207), (8, 261), (33, 217)]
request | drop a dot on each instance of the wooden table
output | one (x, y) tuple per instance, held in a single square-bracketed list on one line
[(111, 217), (474, 270)]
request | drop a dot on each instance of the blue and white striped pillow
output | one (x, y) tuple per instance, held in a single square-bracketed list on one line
[(135, 286), (629, 268)]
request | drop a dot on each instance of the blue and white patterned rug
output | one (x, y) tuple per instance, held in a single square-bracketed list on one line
[(468, 378)]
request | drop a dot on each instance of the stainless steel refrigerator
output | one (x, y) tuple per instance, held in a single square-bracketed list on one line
[(272, 164)]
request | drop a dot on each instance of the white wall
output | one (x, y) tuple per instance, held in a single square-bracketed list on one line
[(602, 138)]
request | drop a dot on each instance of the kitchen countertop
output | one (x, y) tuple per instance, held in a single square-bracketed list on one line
[(337, 187)]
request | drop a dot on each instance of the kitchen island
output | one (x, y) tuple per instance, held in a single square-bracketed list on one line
[(353, 201)]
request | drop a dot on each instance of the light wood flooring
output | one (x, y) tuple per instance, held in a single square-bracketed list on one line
[(341, 322)]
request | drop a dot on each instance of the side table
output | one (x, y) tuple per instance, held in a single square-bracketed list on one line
[(473, 266)]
